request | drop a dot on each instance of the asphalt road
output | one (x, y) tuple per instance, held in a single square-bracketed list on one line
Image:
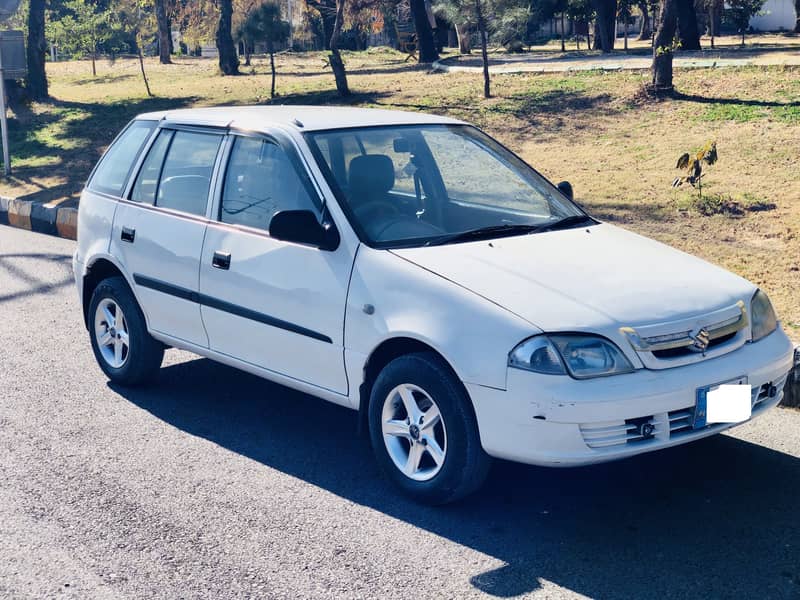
[(216, 484)]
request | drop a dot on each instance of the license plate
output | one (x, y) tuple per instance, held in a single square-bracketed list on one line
[(726, 402)]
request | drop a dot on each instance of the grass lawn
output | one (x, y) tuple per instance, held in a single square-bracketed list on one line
[(589, 128)]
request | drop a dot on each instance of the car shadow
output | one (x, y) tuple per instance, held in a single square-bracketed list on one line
[(717, 518)]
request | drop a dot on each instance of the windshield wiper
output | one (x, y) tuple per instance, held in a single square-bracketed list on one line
[(508, 229), (484, 233), (566, 223)]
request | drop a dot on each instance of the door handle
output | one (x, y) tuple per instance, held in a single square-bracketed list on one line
[(128, 234), (221, 260)]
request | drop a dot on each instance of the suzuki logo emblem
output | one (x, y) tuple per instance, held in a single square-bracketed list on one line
[(700, 339)]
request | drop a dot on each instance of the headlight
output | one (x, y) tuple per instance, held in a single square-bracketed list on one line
[(762, 315), (583, 356)]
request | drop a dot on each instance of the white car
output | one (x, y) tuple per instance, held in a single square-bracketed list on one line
[(411, 268)]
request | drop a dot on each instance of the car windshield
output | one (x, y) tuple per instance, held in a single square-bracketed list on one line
[(435, 184)]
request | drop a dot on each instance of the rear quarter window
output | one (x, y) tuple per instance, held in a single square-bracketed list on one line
[(112, 172)]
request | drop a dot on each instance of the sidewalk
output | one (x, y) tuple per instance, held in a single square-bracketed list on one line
[(555, 62)]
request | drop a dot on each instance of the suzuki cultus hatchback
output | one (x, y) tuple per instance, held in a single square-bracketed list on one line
[(411, 268)]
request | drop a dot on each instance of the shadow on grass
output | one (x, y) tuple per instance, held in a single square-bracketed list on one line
[(628, 212), (104, 79), (734, 101), (64, 140), (711, 519)]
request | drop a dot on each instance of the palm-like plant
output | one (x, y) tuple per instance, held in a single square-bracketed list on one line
[(693, 165)]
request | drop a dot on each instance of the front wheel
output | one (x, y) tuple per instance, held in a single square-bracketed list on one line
[(423, 430), (122, 346)]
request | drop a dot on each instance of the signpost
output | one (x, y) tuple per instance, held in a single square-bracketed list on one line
[(12, 66)]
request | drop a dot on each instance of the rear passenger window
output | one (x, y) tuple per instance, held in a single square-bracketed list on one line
[(111, 174), (260, 181), (146, 186), (186, 174)]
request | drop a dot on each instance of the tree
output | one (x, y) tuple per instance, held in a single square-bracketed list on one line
[(452, 11), (36, 51), (688, 33), (465, 13), (335, 57), (714, 10), (264, 24), (797, 14), (134, 17), (644, 8), (164, 34), (624, 12), (327, 14), (580, 12), (422, 25), (228, 61), (481, 21), (739, 13), (605, 32), (664, 47), (81, 30)]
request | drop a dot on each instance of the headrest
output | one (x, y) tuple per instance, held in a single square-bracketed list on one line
[(371, 174)]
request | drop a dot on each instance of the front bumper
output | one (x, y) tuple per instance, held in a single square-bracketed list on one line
[(558, 421)]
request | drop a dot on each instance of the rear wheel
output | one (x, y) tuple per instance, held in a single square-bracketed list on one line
[(126, 353), (423, 430)]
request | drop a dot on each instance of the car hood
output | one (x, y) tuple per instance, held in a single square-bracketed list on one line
[(587, 278)]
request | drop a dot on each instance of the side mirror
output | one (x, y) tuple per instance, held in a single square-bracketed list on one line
[(303, 227), (565, 187)]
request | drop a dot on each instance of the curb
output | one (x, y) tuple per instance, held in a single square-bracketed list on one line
[(41, 218)]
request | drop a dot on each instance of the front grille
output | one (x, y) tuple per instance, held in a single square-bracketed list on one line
[(686, 351), (691, 340), (665, 426)]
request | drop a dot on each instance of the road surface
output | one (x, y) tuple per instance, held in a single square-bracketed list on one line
[(215, 484)]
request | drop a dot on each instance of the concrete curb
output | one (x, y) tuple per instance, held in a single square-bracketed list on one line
[(41, 218)]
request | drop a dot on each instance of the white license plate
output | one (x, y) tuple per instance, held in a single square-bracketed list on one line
[(727, 402)]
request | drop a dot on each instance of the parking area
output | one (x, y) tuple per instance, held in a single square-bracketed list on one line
[(214, 483)]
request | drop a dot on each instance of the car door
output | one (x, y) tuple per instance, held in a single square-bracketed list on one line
[(158, 230), (271, 303)]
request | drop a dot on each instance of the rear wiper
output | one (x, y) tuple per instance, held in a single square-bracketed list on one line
[(484, 233), (566, 223)]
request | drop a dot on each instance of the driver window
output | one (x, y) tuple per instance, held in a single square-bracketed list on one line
[(259, 182)]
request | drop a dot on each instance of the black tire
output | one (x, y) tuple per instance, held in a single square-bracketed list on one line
[(465, 465), (144, 354)]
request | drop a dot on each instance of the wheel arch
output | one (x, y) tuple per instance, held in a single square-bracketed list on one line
[(99, 269), (384, 353)]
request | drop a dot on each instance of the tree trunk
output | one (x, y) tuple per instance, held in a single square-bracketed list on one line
[(425, 41), (688, 33), (462, 32), (797, 14), (563, 34), (327, 13), (337, 64), (604, 32), (246, 54), (271, 51), (662, 48), (228, 61), (36, 51), (743, 31), (487, 93), (163, 32), (141, 66), (94, 65), (644, 31)]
